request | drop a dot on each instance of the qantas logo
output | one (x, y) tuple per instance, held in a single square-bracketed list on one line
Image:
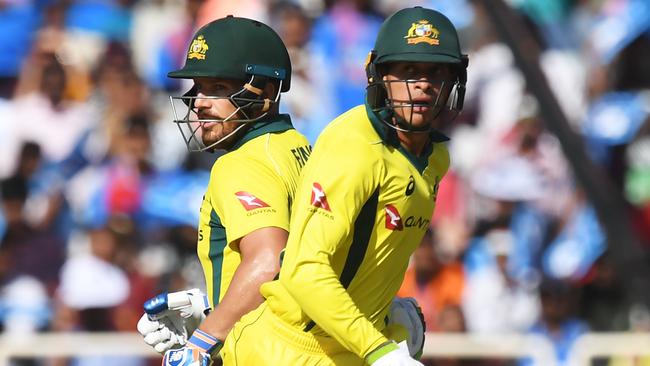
[(393, 218), (318, 198), (249, 201)]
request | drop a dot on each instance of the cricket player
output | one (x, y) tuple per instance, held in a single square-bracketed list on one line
[(363, 204), (239, 68)]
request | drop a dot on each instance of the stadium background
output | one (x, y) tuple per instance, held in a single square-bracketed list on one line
[(100, 198)]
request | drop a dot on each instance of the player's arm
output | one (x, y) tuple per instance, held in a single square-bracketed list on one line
[(308, 272), (260, 262), (252, 203), (316, 288)]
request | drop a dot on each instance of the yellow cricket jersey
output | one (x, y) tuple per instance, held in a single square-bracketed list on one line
[(362, 206), (251, 187)]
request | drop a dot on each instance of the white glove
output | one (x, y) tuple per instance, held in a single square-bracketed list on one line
[(396, 355), (186, 357), (407, 313), (163, 334), (170, 319)]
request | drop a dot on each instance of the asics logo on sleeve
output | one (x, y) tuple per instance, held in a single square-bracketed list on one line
[(249, 201), (393, 218), (318, 197)]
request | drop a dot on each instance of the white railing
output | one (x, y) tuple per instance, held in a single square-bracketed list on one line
[(536, 347), (73, 344), (437, 345), (594, 345)]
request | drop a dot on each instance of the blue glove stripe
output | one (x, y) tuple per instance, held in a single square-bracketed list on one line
[(206, 303)]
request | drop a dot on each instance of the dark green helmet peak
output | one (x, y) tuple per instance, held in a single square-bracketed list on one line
[(236, 48)]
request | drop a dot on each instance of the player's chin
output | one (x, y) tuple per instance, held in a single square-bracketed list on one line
[(419, 119), (209, 139)]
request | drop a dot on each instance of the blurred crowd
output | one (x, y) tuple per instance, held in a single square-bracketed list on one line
[(100, 198)]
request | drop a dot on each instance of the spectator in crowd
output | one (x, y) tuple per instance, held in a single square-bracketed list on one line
[(30, 259), (27, 250), (494, 300), (95, 294), (558, 322), (55, 121)]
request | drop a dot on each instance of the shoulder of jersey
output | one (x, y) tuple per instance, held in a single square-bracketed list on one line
[(349, 130), (232, 162)]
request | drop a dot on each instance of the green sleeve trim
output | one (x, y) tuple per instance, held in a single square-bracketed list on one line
[(381, 351), (218, 243)]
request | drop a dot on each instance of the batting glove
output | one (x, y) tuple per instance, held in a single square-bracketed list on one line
[(392, 354), (407, 313), (169, 319), (196, 352)]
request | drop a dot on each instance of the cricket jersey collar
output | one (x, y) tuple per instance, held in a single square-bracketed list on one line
[(389, 137), (276, 123)]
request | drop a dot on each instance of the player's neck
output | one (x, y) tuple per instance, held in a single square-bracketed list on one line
[(414, 143)]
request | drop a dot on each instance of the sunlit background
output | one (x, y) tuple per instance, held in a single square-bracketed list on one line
[(542, 225)]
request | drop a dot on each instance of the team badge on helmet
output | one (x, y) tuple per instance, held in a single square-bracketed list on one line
[(198, 48), (422, 31)]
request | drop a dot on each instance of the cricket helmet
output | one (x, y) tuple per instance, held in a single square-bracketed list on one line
[(238, 49), (415, 35)]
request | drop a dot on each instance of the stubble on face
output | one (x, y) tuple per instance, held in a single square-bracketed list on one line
[(212, 133)]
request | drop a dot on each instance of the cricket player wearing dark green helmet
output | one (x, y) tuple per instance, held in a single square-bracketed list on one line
[(364, 202), (239, 68), (415, 78)]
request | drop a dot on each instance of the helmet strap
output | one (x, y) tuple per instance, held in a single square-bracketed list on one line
[(249, 99)]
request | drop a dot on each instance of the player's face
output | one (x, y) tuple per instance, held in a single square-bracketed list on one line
[(212, 132), (418, 90)]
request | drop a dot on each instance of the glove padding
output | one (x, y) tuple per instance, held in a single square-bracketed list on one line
[(163, 334), (393, 354), (186, 356), (407, 313), (196, 352), (169, 319)]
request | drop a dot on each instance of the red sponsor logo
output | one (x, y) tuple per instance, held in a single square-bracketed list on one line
[(393, 219), (249, 201), (318, 197)]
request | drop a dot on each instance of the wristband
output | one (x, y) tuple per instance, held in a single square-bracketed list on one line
[(205, 342), (381, 351)]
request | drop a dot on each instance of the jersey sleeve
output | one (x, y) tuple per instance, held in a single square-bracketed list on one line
[(336, 184), (248, 195)]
